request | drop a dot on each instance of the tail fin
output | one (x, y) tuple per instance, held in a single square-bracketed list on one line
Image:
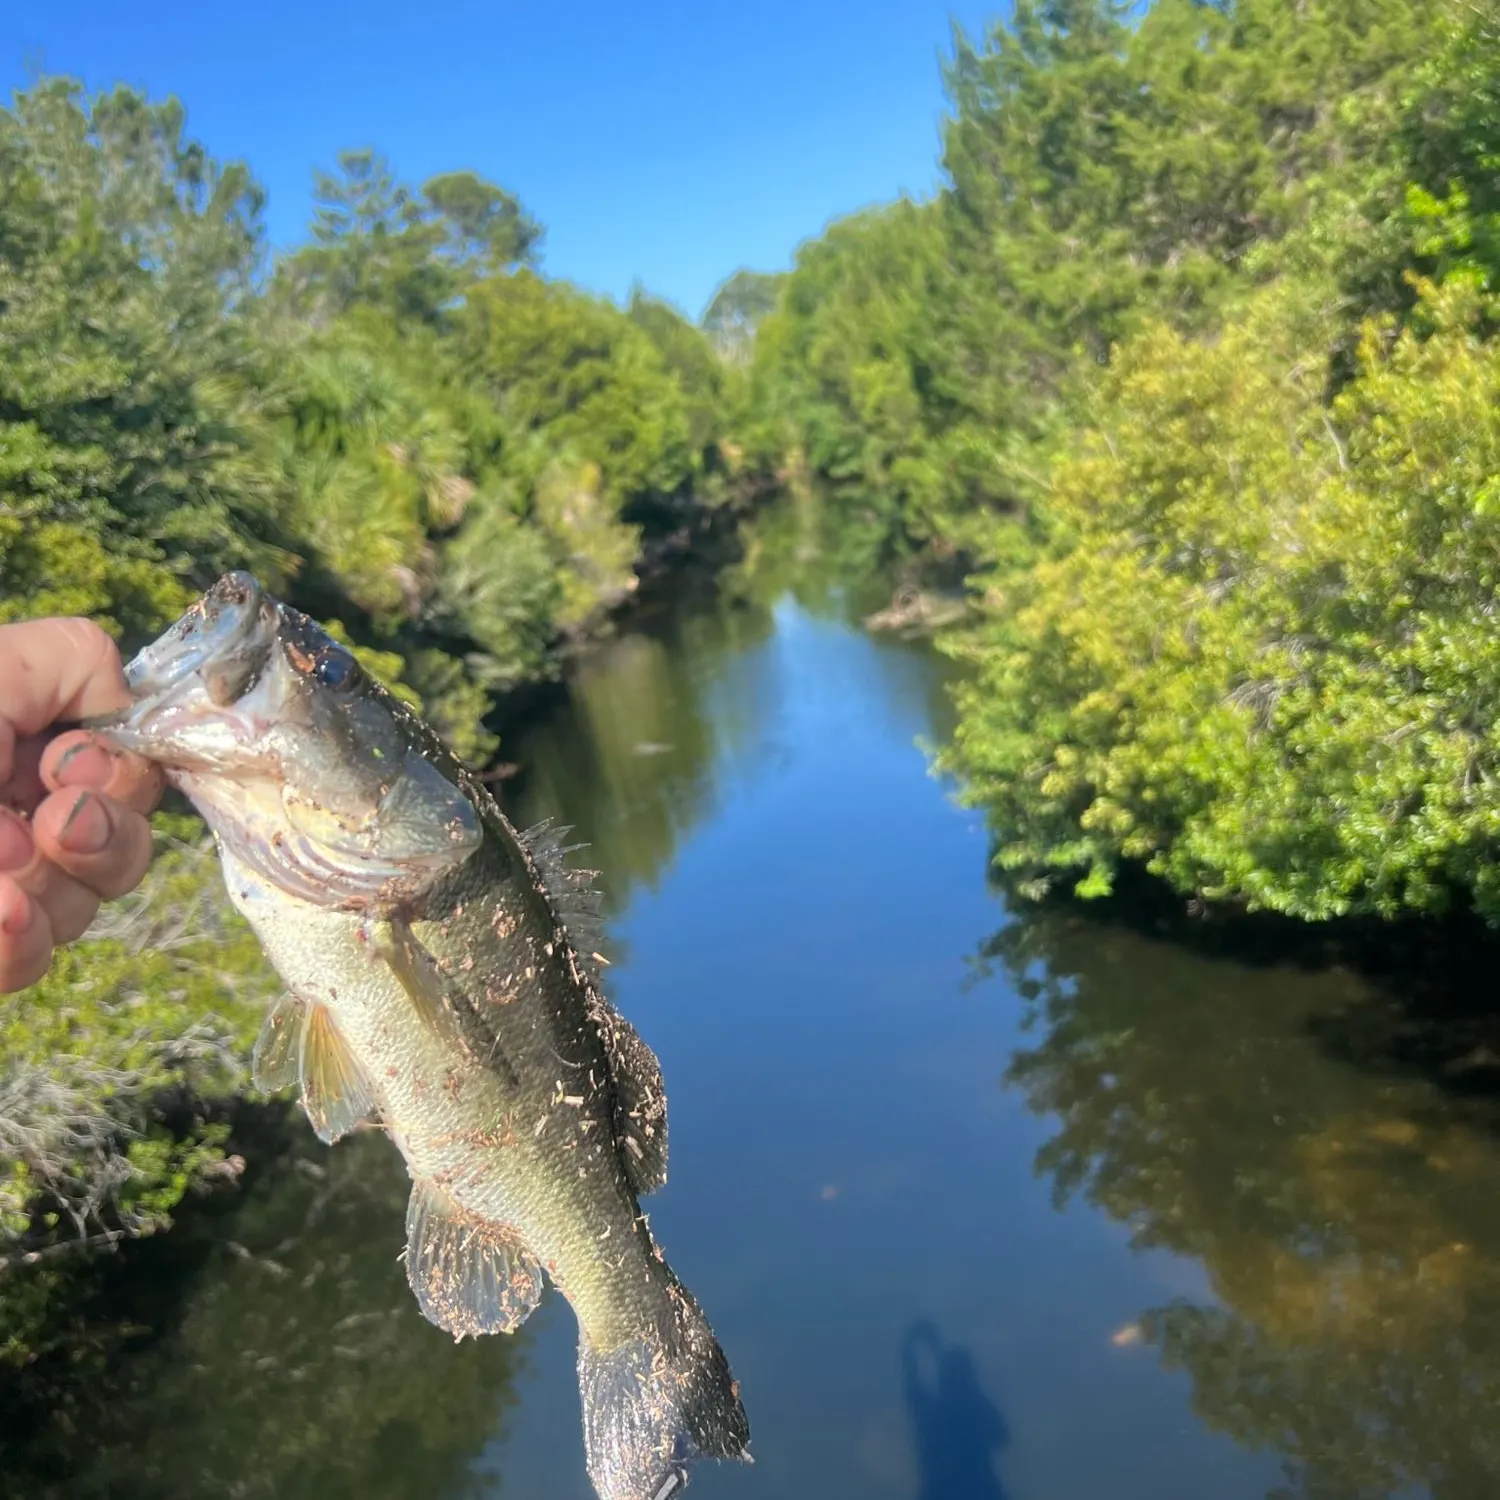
[(656, 1405)]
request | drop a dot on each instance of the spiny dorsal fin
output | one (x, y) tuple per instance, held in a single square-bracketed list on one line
[(576, 905), (640, 1100), (470, 1276)]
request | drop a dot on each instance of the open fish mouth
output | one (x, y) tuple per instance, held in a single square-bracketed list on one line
[(192, 687), (224, 638)]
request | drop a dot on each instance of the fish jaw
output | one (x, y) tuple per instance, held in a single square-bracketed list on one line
[(233, 624)]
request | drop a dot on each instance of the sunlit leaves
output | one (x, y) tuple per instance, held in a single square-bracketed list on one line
[(1260, 653)]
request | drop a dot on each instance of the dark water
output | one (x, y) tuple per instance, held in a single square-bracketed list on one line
[(1043, 1205)]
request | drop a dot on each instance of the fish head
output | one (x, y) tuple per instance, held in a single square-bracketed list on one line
[(305, 767)]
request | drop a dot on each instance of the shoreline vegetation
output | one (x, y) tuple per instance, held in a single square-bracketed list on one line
[(1185, 382), (1190, 369)]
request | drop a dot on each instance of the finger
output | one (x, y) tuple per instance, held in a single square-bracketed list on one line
[(98, 842), (25, 938), (79, 759), (67, 904), (54, 669), (17, 847)]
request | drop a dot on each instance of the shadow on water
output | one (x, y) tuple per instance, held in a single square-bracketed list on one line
[(1303, 1115), (958, 1430)]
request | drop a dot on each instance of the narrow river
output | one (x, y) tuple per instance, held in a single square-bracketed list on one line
[(983, 1202)]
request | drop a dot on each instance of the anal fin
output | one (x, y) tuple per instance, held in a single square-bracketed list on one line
[(469, 1276), (299, 1043)]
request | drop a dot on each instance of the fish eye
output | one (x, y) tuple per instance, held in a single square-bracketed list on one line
[(336, 669)]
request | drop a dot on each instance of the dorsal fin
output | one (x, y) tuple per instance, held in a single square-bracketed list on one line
[(640, 1100), (571, 894), (640, 1095)]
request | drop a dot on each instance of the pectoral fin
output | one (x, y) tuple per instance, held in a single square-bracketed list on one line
[(300, 1044), (469, 1276), (336, 1094), (436, 1000), (275, 1064)]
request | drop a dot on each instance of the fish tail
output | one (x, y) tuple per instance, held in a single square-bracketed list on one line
[(654, 1406)]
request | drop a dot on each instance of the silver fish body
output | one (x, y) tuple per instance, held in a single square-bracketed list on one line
[(441, 985)]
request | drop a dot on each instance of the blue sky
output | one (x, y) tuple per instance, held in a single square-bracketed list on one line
[(670, 140)]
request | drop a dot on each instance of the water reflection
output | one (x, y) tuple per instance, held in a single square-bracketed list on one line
[(287, 1362), (637, 752), (957, 1429), (1348, 1217)]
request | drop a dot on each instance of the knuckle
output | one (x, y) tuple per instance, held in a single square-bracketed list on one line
[(120, 866), (95, 645), (72, 913)]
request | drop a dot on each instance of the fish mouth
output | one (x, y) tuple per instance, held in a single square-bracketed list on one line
[(224, 638), (192, 685)]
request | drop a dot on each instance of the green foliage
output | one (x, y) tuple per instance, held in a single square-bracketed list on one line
[(125, 398), (694, 361), (737, 309), (1193, 354), (377, 242), (1101, 171), (110, 1068), (1303, 718), (554, 359), (499, 586)]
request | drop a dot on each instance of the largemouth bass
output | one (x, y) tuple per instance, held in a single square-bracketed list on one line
[(441, 985)]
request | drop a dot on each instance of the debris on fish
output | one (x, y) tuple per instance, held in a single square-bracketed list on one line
[(442, 983)]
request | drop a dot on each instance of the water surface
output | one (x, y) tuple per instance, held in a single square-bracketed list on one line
[(1036, 1204)]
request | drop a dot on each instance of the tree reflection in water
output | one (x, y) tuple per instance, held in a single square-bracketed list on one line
[(290, 1363), (649, 722), (1348, 1215)]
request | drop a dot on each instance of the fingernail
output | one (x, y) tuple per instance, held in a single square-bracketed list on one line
[(16, 847), (17, 910), (88, 826), (87, 763)]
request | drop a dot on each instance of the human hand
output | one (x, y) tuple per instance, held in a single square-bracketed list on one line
[(73, 829)]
